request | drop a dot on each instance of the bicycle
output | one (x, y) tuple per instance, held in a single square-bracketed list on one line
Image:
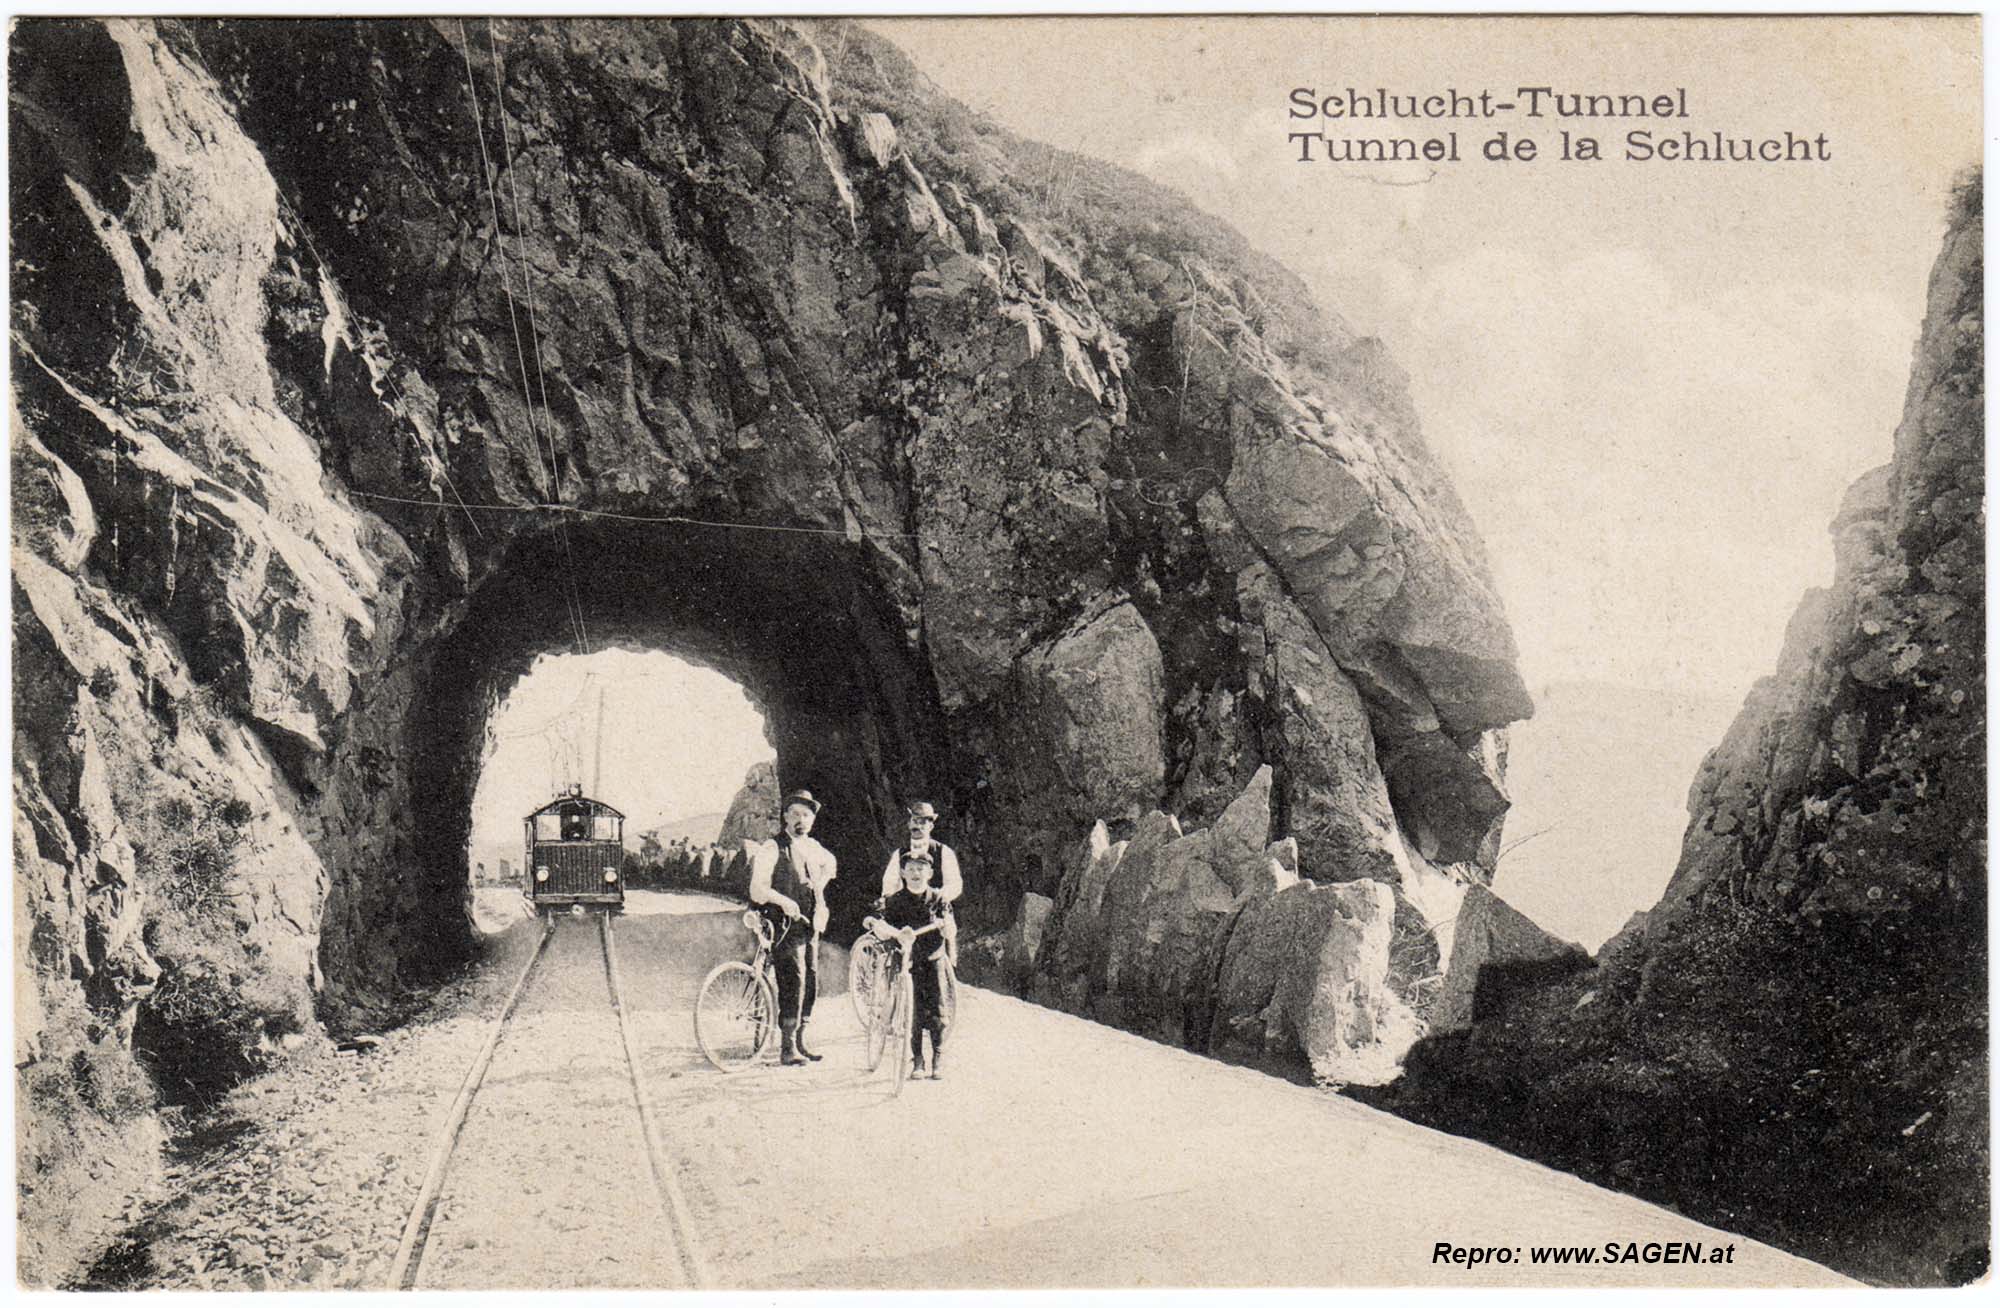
[(868, 971), (736, 1010), (895, 1009)]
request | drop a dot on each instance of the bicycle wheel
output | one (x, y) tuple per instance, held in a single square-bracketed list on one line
[(876, 1024), (734, 1016), (867, 973), (899, 1031)]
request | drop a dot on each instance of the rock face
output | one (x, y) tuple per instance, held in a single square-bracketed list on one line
[(1794, 1040), (346, 386)]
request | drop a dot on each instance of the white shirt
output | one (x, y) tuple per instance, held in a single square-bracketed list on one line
[(810, 859), (949, 883)]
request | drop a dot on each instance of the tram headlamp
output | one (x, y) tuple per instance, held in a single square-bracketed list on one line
[(541, 874), (610, 875)]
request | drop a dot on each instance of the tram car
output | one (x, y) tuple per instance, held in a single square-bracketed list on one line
[(576, 854)]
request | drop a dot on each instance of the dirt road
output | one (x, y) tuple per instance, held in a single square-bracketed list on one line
[(1058, 1152)]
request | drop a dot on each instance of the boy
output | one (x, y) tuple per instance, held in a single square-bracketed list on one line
[(923, 816), (916, 905)]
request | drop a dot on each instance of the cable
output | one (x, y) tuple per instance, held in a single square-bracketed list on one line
[(572, 598), (507, 287), (673, 518)]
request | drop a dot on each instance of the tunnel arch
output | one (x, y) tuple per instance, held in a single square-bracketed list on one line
[(795, 618)]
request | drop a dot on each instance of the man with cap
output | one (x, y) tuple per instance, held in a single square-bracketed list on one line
[(923, 816), (788, 880)]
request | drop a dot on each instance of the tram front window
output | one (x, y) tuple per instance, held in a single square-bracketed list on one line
[(548, 827)]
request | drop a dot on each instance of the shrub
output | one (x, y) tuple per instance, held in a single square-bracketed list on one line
[(187, 849), (109, 1079), (197, 1034)]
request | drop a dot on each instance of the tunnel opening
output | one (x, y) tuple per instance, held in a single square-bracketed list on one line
[(799, 621), (666, 742)]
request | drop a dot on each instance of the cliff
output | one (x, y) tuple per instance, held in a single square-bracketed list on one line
[(357, 364), (1793, 1042)]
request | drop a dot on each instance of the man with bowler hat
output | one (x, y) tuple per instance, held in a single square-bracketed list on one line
[(950, 884), (788, 880)]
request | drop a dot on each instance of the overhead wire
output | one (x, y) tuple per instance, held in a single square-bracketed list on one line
[(572, 596), (676, 519), (507, 288)]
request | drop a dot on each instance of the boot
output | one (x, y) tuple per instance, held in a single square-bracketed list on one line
[(799, 1043), (937, 1059), (788, 1046)]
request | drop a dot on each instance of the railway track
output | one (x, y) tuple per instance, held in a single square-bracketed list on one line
[(409, 1267)]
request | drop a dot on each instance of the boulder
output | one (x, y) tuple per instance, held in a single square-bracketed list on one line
[(1370, 568), (1449, 797), (1091, 705), (1167, 902), (1022, 947), (1491, 933), (1305, 973), (1064, 977)]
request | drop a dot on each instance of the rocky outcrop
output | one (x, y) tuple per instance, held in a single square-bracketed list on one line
[(1021, 947), (1794, 1040), (1494, 944), (753, 811), (1306, 972), (346, 386), (1091, 712), (1210, 939)]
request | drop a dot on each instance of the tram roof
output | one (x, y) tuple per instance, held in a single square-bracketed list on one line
[(595, 805)]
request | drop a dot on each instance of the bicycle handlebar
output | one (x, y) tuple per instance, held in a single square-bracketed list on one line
[(918, 930)]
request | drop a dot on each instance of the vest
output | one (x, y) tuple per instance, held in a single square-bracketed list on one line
[(789, 881)]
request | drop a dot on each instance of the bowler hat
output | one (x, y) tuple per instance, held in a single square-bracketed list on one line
[(800, 797)]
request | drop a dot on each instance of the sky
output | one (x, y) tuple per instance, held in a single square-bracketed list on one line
[(1649, 382), (678, 739)]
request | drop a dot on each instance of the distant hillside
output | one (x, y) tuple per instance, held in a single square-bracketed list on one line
[(1599, 778), (701, 829)]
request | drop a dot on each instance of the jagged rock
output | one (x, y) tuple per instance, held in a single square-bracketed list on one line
[(1490, 932), (753, 811), (1306, 973), (1091, 701), (1450, 798), (1840, 787), (1341, 814), (1166, 899), (1224, 753), (1022, 947), (1064, 978), (1367, 570)]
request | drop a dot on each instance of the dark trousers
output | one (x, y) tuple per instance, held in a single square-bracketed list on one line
[(797, 965), (927, 990)]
